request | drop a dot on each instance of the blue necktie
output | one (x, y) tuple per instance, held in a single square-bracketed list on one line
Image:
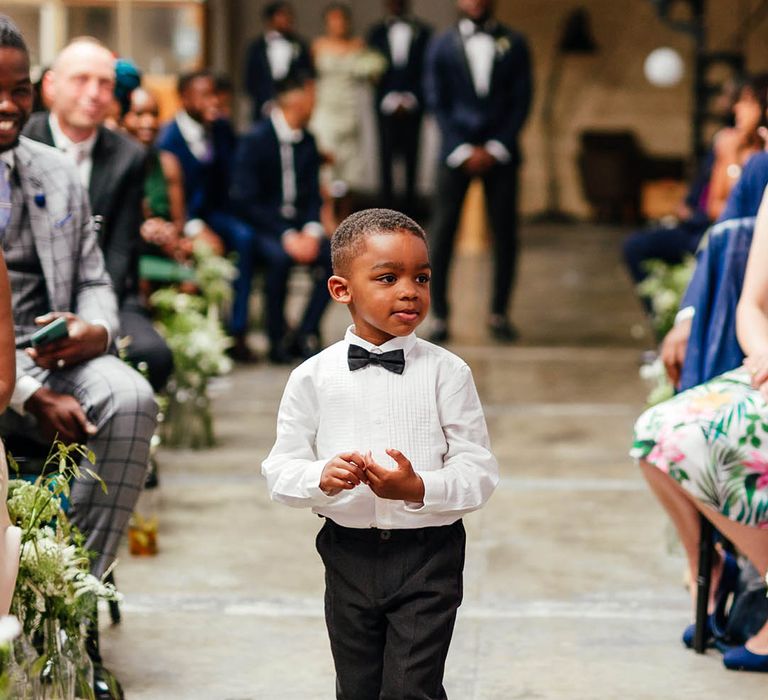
[(5, 198)]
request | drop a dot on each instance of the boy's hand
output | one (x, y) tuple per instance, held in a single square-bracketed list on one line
[(343, 472), (401, 484)]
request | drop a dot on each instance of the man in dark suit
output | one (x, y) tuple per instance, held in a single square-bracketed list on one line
[(72, 388), (478, 84), (276, 187), (205, 146), (111, 168), (273, 55), (399, 107)]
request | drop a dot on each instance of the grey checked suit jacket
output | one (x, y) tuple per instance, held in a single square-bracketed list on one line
[(60, 218)]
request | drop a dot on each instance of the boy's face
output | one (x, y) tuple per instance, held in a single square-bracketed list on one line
[(386, 286)]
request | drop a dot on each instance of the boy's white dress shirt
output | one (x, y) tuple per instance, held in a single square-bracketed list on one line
[(431, 413)]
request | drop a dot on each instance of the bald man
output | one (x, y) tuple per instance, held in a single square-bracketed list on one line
[(80, 86)]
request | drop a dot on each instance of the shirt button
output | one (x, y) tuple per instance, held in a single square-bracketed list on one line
[(385, 535)]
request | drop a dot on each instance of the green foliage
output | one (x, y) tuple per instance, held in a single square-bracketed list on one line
[(664, 288)]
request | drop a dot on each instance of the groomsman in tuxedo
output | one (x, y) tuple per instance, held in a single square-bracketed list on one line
[(205, 145), (273, 55), (479, 86), (276, 187), (399, 96), (111, 167)]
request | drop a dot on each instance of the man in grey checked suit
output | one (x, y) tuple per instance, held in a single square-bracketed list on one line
[(72, 387)]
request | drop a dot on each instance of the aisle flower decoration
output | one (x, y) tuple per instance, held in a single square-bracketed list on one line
[(190, 324), (664, 288), (56, 595)]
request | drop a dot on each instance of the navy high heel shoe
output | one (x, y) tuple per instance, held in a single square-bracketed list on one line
[(716, 621), (742, 659)]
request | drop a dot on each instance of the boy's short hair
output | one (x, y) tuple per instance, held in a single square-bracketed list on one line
[(349, 238)]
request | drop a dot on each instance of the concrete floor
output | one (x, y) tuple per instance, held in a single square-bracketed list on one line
[(572, 590)]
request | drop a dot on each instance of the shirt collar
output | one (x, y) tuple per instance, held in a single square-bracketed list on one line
[(64, 143), (405, 343), (285, 134), (191, 129), (467, 27), (9, 159), (274, 35)]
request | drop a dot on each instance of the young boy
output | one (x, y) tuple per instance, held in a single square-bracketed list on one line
[(383, 435)]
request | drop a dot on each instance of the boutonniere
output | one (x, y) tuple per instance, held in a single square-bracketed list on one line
[(296, 46), (39, 196), (502, 45)]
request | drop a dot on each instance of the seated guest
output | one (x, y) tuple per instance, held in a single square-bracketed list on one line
[(165, 209), (73, 387), (705, 452), (276, 187), (702, 343), (735, 145), (111, 166), (205, 144), (7, 349), (672, 243), (272, 56)]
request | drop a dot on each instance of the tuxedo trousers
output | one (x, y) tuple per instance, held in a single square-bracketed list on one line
[(500, 185), (399, 134), (121, 404), (391, 598)]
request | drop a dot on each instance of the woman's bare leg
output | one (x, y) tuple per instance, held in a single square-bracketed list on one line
[(682, 510)]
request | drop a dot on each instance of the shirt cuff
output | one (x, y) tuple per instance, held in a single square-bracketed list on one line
[(288, 232), (434, 493), (685, 314), (105, 326), (25, 387), (314, 229), (498, 150), (458, 155), (310, 482)]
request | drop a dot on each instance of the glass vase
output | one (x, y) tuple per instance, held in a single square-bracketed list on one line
[(59, 674), (73, 647), (23, 670), (188, 421)]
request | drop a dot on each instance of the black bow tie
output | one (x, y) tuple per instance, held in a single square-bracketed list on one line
[(358, 357)]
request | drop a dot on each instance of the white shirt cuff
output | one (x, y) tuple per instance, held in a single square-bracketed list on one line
[(498, 150), (685, 314), (105, 326), (314, 229), (434, 493), (25, 387), (458, 155), (310, 482), (288, 232)]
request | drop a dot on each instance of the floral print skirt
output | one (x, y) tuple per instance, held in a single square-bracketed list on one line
[(713, 440)]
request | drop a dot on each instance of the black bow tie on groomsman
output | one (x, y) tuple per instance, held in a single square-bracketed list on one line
[(358, 357)]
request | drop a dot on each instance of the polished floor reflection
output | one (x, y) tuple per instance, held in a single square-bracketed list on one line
[(573, 591)]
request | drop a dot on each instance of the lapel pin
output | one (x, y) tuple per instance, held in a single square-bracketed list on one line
[(40, 199)]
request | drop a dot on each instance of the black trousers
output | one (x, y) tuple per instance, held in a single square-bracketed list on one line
[(399, 135), (390, 605), (500, 185)]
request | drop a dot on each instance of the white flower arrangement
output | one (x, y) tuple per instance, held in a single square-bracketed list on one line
[(55, 592), (664, 288)]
